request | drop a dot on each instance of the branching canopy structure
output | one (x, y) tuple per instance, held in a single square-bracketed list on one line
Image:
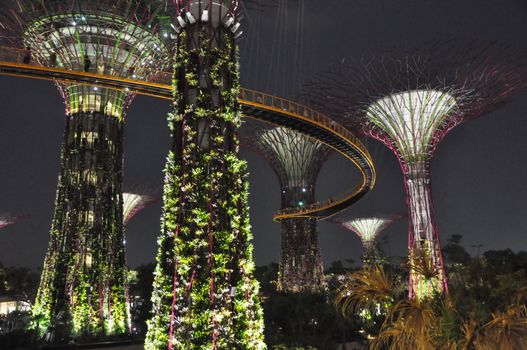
[(8, 219), (82, 290), (205, 294), (134, 203), (368, 229), (296, 160), (410, 100), (117, 38)]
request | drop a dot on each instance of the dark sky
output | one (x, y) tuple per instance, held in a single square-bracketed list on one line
[(478, 174)]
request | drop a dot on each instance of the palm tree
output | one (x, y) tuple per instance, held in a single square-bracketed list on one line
[(431, 323), (506, 330), (365, 289)]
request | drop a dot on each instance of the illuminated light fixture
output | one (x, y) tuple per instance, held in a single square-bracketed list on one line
[(181, 22), (239, 34), (205, 16), (88, 259), (304, 189), (235, 27), (190, 18), (229, 21)]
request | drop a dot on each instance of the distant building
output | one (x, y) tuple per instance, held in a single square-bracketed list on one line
[(14, 313), (10, 303)]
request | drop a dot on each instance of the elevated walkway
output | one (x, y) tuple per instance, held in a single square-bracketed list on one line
[(254, 104)]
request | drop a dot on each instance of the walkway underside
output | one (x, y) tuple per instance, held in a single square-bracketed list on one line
[(257, 105)]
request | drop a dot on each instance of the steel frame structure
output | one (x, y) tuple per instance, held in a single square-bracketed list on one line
[(410, 100), (367, 229), (7, 219), (82, 293), (255, 105), (296, 160), (278, 111)]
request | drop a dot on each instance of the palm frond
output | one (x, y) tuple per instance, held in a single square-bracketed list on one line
[(505, 331), (421, 262), (365, 289), (409, 325)]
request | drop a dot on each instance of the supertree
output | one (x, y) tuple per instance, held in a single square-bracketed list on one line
[(135, 202), (367, 229), (82, 288), (296, 160), (205, 294), (8, 219), (410, 100)]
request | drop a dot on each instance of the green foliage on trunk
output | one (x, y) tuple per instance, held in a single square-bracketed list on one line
[(82, 288), (205, 295)]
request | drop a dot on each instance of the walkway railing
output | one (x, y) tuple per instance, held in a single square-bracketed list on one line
[(299, 109), (15, 61)]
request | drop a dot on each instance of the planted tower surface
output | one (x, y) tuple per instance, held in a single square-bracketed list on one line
[(82, 288), (296, 160), (368, 229), (205, 295), (410, 101)]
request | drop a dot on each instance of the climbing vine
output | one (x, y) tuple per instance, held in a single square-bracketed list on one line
[(205, 295), (82, 288)]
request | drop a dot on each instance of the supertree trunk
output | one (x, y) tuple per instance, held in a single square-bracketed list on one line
[(300, 264), (82, 288), (371, 255), (427, 271), (205, 295)]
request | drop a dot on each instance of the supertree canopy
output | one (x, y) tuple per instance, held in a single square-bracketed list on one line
[(296, 160), (106, 37), (82, 288), (205, 294), (367, 229), (8, 219), (409, 100), (134, 203)]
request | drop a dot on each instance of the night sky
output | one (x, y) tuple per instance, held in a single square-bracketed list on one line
[(478, 173)]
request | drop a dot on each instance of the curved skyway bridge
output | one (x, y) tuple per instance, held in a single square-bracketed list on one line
[(254, 104)]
